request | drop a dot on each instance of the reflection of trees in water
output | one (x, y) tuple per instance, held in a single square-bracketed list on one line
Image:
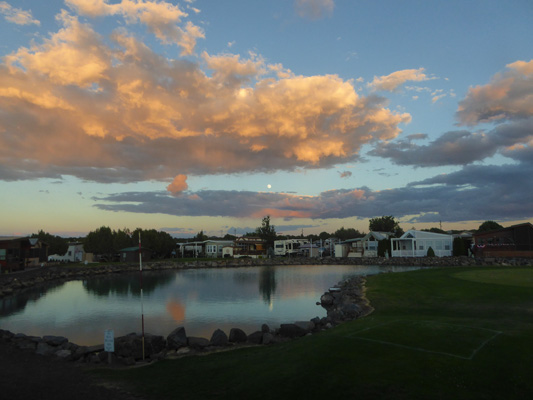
[(267, 283), (243, 277), (126, 284), (12, 304)]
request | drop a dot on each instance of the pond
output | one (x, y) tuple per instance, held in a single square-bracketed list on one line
[(201, 300)]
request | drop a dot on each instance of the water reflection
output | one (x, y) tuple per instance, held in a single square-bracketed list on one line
[(127, 284), (267, 283)]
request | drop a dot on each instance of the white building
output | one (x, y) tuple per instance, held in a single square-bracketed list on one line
[(75, 253), (416, 244)]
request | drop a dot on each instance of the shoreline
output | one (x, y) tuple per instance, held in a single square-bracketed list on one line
[(347, 301)]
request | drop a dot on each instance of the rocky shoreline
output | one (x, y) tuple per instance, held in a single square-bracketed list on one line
[(344, 302)]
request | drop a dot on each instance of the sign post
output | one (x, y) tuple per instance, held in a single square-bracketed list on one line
[(109, 343)]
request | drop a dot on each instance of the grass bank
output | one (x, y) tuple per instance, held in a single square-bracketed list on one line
[(453, 333)]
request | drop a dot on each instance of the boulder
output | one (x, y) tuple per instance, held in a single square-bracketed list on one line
[(265, 328), (268, 338), (131, 345), (237, 335), (198, 342), (45, 349), (291, 330), (307, 325), (256, 337), (55, 340), (177, 338), (326, 299), (219, 338)]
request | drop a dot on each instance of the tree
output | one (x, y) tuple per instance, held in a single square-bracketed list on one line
[(56, 244), (489, 226), (200, 237), (345, 234), (99, 241), (160, 243), (267, 232), (385, 224)]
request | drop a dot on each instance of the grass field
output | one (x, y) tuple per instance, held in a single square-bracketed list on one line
[(454, 333)]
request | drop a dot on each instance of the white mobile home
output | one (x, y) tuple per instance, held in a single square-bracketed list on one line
[(416, 244)]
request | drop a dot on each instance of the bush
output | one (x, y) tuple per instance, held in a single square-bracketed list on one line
[(431, 252)]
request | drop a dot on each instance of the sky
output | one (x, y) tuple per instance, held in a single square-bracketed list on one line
[(201, 115)]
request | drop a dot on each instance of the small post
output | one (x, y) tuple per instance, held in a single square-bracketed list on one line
[(109, 343), (141, 284)]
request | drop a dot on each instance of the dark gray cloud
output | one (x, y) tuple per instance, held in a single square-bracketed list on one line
[(458, 147), (503, 192)]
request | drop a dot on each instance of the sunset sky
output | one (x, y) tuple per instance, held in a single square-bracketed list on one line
[(209, 115)]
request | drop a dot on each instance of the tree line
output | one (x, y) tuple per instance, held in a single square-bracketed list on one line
[(105, 241)]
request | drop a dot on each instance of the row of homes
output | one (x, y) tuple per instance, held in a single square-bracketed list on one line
[(516, 241), (513, 241)]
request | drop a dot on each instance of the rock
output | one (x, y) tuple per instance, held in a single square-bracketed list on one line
[(237, 335), (131, 345), (55, 340), (197, 342), (291, 330), (177, 338), (64, 354), (307, 325), (326, 299), (219, 338), (268, 338), (256, 337), (45, 349), (265, 328)]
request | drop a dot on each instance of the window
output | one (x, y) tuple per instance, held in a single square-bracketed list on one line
[(2, 254), (447, 246)]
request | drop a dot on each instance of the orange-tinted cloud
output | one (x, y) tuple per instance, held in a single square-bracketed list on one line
[(178, 185), (17, 15), (393, 81), (77, 105), (507, 96)]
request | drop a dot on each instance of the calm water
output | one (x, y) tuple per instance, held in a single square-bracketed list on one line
[(200, 300)]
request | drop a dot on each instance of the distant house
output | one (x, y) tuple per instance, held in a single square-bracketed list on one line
[(213, 248), (513, 241), (131, 254), (415, 243), (75, 253), (17, 253), (367, 246), (247, 246)]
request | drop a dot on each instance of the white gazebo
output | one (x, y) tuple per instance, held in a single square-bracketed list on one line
[(416, 244)]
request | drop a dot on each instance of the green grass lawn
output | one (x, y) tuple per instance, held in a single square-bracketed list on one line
[(454, 333)]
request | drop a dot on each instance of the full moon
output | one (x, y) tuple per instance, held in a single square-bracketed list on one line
[(269, 186)]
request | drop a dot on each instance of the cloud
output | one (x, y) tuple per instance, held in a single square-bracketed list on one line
[(162, 18), (17, 15), (508, 96), (345, 174), (314, 9), (178, 185), (505, 101), (393, 81), (477, 192), (109, 109)]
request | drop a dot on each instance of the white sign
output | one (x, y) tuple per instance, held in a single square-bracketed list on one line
[(109, 341)]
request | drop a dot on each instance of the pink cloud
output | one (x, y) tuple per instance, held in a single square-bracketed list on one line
[(178, 185)]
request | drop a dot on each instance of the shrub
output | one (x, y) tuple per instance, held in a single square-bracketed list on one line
[(431, 252)]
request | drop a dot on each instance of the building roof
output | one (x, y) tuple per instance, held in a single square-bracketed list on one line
[(414, 234)]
